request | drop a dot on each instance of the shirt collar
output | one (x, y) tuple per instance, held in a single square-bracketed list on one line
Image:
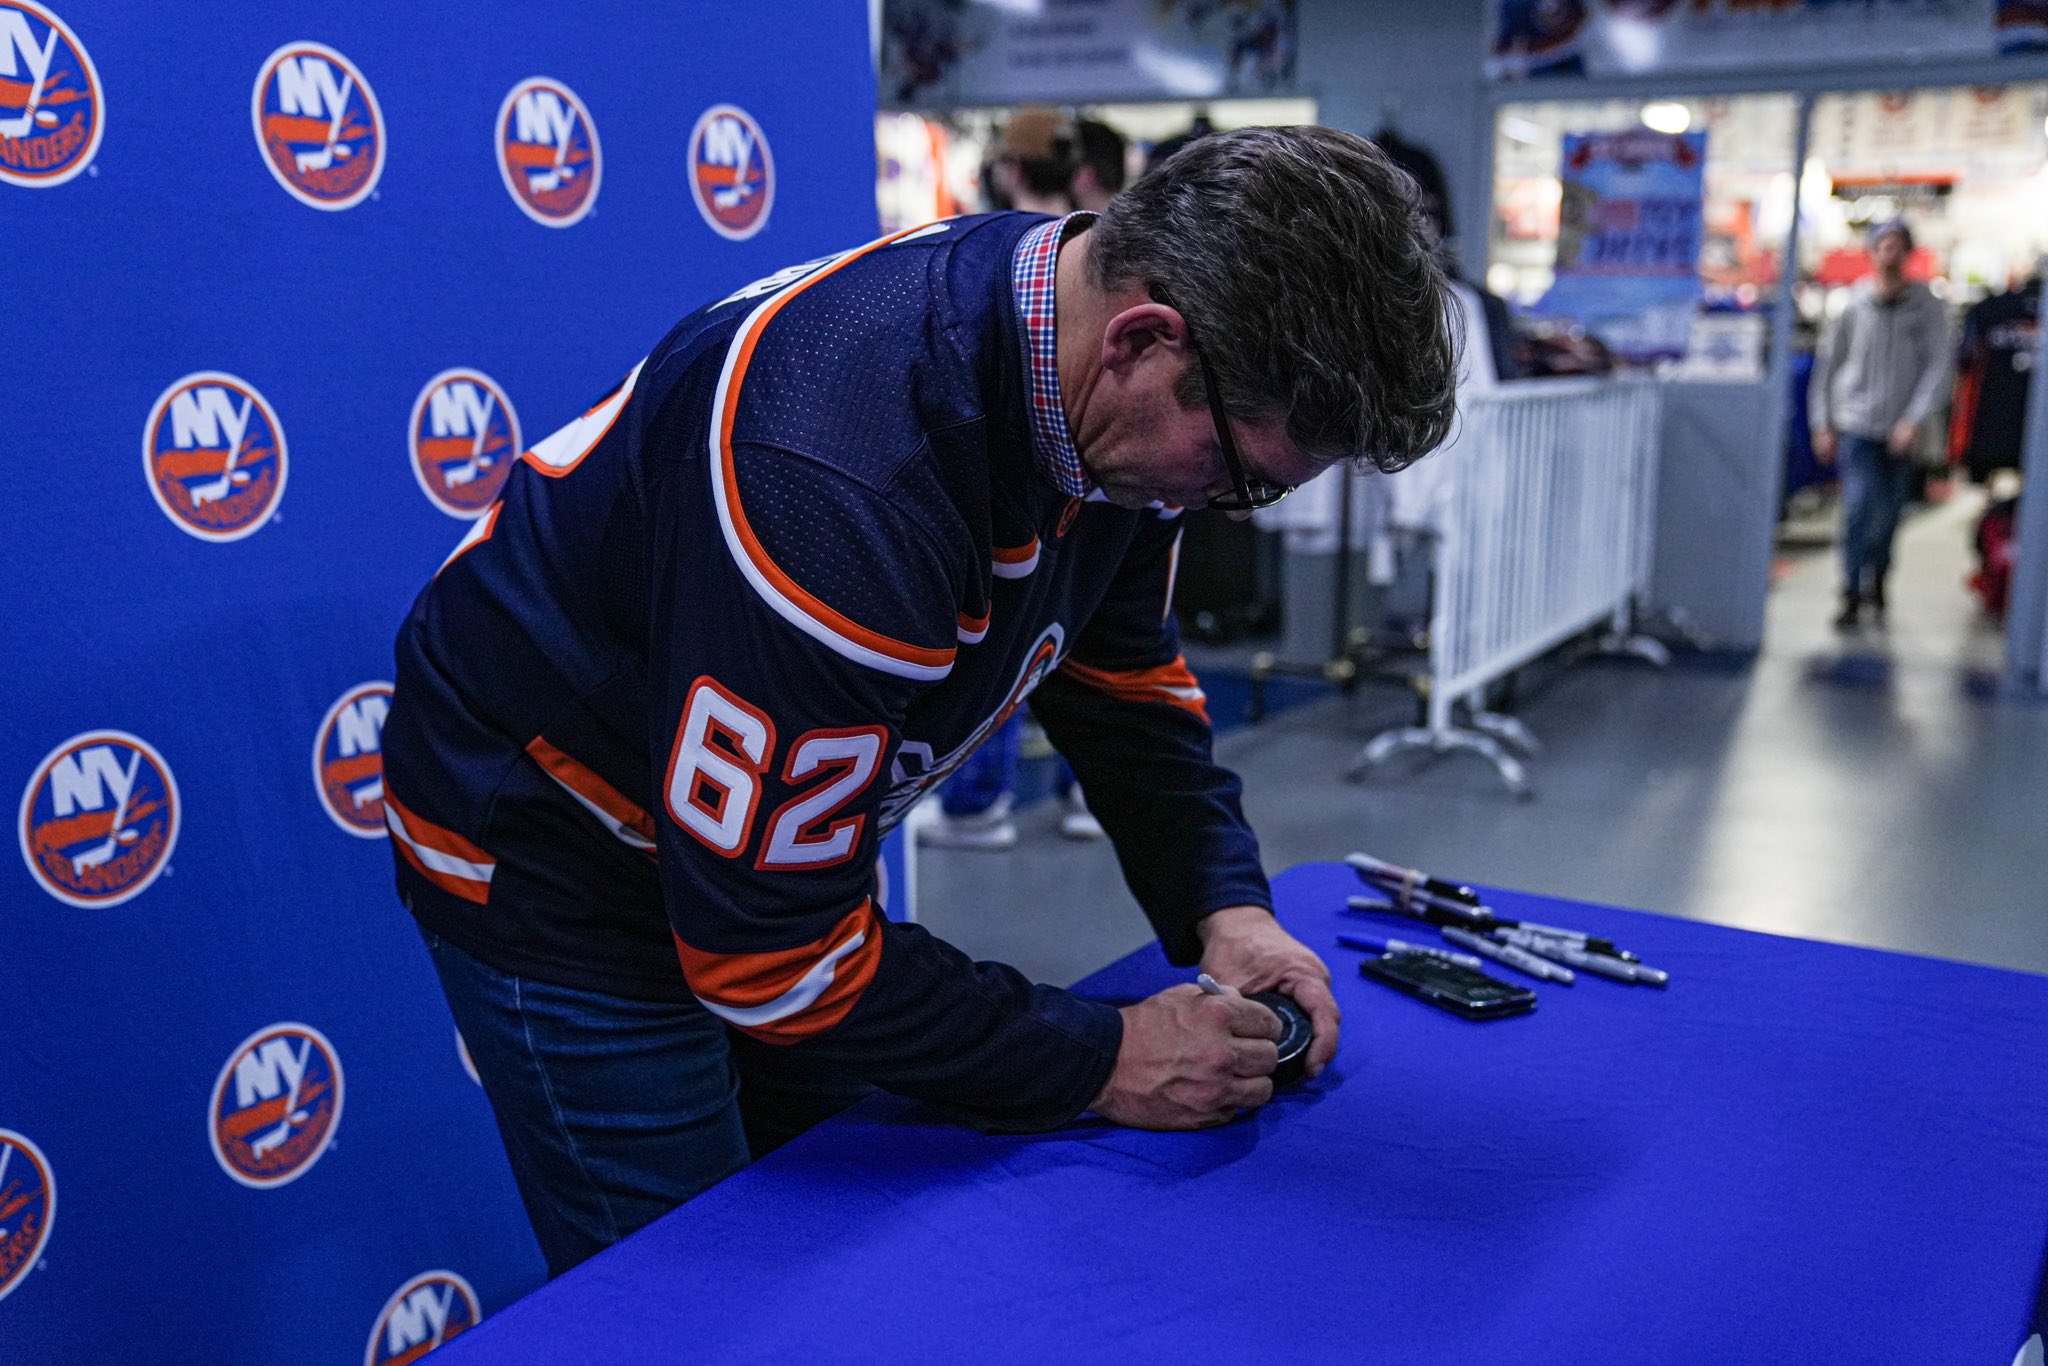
[(1033, 274)]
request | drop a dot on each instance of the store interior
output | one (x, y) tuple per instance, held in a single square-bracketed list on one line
[(1968, 167)]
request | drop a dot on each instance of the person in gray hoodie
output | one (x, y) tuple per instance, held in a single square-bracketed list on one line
[(1880, 369)]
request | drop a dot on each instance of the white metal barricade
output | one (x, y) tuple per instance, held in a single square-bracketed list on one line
[(1543, 526)]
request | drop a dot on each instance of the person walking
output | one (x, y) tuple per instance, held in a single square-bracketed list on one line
[(1880, 369)]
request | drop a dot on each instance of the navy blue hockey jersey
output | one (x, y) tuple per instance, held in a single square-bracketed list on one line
[(724, 629)]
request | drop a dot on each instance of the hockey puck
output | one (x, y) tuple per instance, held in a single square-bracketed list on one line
[(1295, 1036)]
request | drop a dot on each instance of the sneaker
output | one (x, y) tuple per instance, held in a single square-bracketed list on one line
[(1852, 606), (1077, 822), (988, 830)]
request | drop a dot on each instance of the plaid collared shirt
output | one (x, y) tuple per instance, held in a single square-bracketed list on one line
[(1038, 254)]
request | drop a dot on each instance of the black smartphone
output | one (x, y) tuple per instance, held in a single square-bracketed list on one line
[(1457, 989)]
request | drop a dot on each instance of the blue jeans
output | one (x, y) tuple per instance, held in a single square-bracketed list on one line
[(1875, 485), (987, 774), (614, 1111), (991, 771)]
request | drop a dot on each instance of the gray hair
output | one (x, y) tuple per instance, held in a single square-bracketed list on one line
[(1301, 262)]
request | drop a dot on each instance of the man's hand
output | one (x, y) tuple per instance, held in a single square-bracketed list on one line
[(1244, 947), (1824, 446), (1904, 433), (1191, 1060)]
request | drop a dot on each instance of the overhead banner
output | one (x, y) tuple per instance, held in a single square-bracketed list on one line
[(1644, 37), (1628, 240), (942, 54)]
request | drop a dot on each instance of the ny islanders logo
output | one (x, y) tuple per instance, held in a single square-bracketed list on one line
[(732, 174), (275, 1105), (548, 152), (52, 108), (348, 760), (318, 126), (214, 454), (99, 819), (28, 1202), (428, 1310), (465, 437)]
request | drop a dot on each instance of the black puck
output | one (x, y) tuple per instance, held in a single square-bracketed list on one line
[(1295, 1036)]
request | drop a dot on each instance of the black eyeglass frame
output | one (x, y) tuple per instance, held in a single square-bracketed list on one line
[(1246, 495)]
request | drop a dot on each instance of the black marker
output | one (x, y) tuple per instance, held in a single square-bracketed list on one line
[(1406, 880), (1578, 939), (1426, 908)]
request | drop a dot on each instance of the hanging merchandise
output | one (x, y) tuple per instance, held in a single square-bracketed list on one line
[(2000, 339)]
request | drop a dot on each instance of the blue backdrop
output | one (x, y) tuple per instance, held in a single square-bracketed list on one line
[(245, 246)]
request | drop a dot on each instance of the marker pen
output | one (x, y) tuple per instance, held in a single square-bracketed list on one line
[(1442, 910), (1519, 959), (1380, 871), (1371, 944), (1578, 956), (1598, 964), (1591, 943)]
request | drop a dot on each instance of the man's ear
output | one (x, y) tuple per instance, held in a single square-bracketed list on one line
[(1138, 333)]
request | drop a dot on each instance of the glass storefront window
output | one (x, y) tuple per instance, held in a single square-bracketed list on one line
[(1966, 167), (1748, 191)]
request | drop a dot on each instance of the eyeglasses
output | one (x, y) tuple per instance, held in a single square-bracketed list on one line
[(1245, 495)]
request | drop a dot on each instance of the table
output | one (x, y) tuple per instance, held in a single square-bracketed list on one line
[(1798, 1153)]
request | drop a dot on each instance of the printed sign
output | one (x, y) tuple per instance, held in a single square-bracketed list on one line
[(1628, 240)]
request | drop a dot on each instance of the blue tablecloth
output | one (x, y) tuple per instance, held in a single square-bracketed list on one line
[(1799, 1153)]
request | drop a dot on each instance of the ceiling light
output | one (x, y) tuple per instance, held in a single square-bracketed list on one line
[(1667, 116)]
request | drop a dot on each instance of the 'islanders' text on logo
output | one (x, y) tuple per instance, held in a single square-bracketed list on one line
[(275, 1105), (52, 106), (348, 760), (464, 438), (732, 172), (214, 454), (548, 152), (99, 819), (28, 1204), (318, 125)]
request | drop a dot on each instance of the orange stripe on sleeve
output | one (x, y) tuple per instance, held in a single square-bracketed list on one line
[(922, 661), (1015, 561), (789, 995), (1174, 684), (611, 806), (436, 837), (441, 856)]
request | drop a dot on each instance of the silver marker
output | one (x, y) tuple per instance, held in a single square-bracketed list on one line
[(1599, 964), (1366, 903), (1368, 944), (1519, 959), (1210, 985), (1578, 939)]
